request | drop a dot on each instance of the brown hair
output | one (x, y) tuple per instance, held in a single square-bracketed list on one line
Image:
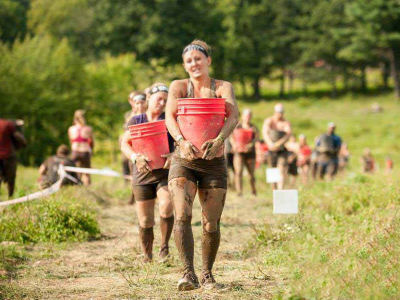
[(201, 44), (79, 117), (62, 150)]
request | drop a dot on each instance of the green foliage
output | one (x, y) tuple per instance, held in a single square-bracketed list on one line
[(70, 19), (13, 19), (56, 219), (41, 79)]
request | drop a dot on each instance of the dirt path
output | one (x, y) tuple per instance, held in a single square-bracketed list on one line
[(111, 268)]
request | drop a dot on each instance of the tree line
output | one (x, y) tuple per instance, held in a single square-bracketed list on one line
[(56, 56)]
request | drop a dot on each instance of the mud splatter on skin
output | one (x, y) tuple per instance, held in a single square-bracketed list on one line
[(180, 182), (224, 198), (188, 200), (184, 241)]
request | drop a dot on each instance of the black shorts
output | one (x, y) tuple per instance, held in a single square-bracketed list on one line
[(215, 178), (229, 161), (148, 191), (278, 156), (8, 169), (81, 159)]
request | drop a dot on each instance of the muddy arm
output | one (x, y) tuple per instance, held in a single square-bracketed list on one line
[(171, 109), (232, 113)]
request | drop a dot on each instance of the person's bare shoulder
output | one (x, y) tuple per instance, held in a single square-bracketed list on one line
[(268, 121), (177, 87), (223, 84)]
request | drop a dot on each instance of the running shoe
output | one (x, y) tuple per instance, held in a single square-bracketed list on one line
[(164, 254), (188, 282), (207, 280)]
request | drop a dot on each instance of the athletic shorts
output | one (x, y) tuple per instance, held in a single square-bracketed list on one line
[(81, 159), (276, 156), (215, 178), (148, 191), (229, 161), (292, 169), (8, 169)]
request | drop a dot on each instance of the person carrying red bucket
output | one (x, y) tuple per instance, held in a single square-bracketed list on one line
[(201, 113), (147, 144), (243, 141)]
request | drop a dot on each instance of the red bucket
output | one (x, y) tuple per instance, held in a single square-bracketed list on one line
[(192, 101), (150, 139), (155, 124), (242, 137), (152, 145), (200, 110), (200, 124)]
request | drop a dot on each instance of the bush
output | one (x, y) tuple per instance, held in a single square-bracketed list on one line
[(56, 219)]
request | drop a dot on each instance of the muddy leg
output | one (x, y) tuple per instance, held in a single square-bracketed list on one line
[(145, 212), (166, 220), (251, 166), (212, 203), (283, 168), (182, 192), (238, 164)]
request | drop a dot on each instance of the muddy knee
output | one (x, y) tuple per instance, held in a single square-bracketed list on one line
[(210, 226), (146, 222)]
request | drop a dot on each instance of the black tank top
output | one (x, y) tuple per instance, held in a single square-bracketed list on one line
[(190, 89)]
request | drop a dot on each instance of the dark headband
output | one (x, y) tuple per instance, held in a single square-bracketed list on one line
[(159, 88), (195, 47)]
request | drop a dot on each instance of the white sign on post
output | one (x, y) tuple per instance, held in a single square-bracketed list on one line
[(286, 201), (273, 175)]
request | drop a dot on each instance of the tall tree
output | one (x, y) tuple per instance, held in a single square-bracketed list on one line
[(377, 26), (13, 19), (249, 30)]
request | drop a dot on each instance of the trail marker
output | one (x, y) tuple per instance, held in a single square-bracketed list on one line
[(273, 175), (286, 201)]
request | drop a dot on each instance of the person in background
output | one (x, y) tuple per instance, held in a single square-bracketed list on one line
[(9, 135), (328, 146), (276, 132), (228, 153), (293, 148), (245, 157), (304, 158), (261, 153), (344, 157), (138, 103), (388, 164), (367, 161), (81, 139), (48, 170)]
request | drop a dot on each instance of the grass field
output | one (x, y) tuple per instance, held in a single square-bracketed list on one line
[(344, 243)]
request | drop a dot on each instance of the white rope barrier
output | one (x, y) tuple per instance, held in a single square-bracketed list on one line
[(62, 171)]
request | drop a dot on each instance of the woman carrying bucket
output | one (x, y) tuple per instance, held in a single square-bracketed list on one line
[(81, 139), (150, 182), (243, 141), (200, 120)]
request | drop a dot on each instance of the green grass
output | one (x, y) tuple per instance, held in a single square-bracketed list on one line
[(343, 243), (56, 219)]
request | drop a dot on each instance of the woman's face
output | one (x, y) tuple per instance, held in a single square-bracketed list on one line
[(157, 102), (140, 106), (196, 63)]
